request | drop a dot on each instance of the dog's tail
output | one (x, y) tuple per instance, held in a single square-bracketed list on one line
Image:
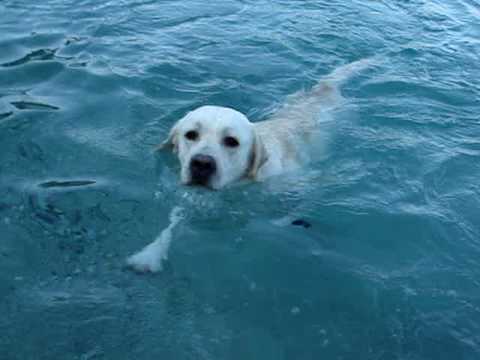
[(326, 93), (345, 72)]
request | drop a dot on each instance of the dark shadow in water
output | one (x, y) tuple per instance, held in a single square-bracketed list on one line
[(5, 115), (69, 183), (301, 222), (29, 105), (37, 55)]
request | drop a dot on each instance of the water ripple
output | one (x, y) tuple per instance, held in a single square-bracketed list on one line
[(37, 55)]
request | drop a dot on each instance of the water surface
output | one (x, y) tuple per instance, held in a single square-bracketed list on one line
[(387, 269)]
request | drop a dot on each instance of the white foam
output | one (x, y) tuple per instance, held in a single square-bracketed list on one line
[(151, 257)]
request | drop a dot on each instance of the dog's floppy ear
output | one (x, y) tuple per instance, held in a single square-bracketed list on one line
[(171, 142), (258, 156)]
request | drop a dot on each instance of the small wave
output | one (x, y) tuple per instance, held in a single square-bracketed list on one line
[(397, 87), (31, 105), (69, 183), (5, 115), (37, 55)]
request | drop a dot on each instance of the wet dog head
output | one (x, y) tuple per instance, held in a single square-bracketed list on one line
[(216, 146)]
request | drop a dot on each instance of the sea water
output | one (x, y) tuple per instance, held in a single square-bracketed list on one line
[(369, 252)]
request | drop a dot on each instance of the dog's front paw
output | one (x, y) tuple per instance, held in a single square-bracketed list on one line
[(145, 261)]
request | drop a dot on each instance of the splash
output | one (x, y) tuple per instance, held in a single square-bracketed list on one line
[(151, 257)]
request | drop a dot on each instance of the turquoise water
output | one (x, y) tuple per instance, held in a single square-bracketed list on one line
[(389, 266)]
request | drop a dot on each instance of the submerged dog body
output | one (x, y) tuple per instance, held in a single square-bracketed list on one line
[(217, 145)]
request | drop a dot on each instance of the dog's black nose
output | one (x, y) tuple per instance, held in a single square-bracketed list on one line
[(202, 167)]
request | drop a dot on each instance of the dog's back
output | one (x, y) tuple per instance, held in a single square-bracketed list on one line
[(294, 125)]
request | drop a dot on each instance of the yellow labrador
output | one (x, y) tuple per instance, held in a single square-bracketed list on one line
[(217, 146)]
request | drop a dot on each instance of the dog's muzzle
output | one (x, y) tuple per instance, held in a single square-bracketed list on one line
[(202, 167)]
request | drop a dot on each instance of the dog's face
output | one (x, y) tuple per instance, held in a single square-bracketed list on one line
[(216, 146)]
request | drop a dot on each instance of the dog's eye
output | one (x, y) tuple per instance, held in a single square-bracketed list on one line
[(230, 141), (191, 135)]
